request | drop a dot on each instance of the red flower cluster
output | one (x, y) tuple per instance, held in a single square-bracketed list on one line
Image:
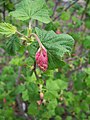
[(42, 59)]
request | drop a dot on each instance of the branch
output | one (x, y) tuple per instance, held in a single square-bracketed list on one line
[(34, 70), (20, 34), (18, 97), (81, 55), (71, 5), (43, 26), (3, 12), (36, 23), (54, 10), (77, 69), (19, 75), (55, 7), (65, 9), (87, 2), (80, 67), (71, 59)]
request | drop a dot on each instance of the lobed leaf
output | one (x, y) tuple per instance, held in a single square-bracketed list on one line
[(35, 9), (12, 45), (56, 44), (7, 29)]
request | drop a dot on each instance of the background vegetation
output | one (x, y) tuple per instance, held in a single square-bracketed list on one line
[(63, 91)]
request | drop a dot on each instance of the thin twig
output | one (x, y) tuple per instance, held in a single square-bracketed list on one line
[(87, 3), (4, 12), (20, 34), (71, 5), (19, 75), (43, 26), (34, 69), (69, 73), (55, 7), (18, 97), (65, 9), (80, 56), (36, 23)]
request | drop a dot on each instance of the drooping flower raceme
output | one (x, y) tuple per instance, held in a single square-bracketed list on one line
[(41, 55), (42, 58)]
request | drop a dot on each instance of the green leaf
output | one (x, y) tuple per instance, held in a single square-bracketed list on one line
[(86, 42), (35, 9), (2, 2), (58, 118), (25, 95), (12, 45), (87, 70), (55, 85), (50, 95), (20, 89), (7, 29), (33, 91), (69, 118), (62, 84), (87, 23), (88, 81), (56, 45), (52, 104), (65, 16), (52, 85), (32, 109), (51, 107), (17, 61), (47, 114), (84, 106)]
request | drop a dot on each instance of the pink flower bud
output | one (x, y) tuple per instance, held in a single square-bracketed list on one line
[(58, 31), (39, 102), (41, 95), (42, 58)]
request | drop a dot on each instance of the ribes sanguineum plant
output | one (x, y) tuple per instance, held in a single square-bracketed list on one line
[(44, 50)]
